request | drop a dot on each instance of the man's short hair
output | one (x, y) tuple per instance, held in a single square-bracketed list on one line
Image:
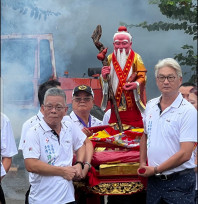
[(44, 87), (55, 92), (188, 84), (168, 62), (194, 90)]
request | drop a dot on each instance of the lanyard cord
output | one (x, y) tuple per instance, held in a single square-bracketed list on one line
[(83, 121)]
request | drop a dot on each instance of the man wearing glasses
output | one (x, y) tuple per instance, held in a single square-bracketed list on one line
[(37, 118), (82, 103), (170, 133), (48, 153)]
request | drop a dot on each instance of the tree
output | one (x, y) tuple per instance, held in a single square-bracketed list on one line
[(25, 6), (184, 17)]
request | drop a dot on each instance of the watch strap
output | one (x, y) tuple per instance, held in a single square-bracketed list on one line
[(79, 162), (88, 164)]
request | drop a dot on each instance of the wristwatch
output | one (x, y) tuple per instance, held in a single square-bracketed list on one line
[(79, 162), (88, 164), (156, 171)]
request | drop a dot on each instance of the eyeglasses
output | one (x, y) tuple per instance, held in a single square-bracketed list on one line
[(163, 78), (86, 99), (57, 108)]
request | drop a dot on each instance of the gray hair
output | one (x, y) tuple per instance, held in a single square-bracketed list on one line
[(168, 62), (55, 92)]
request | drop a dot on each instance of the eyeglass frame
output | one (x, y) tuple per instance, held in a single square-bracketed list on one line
[(79, 99), (166, 77), (57, 108)]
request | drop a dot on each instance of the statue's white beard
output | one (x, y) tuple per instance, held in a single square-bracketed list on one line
[(121, 58)]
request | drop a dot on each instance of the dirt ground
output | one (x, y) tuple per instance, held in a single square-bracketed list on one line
[(15, 184)]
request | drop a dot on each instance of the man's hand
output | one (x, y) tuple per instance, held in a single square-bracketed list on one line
[(78, 168), (130, 86), (87, 132), (105, 71), (69, 172), (146, 171)]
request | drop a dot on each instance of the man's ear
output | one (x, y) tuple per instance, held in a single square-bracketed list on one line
[(42, 108), (93, 102), (181, 81), (66, 109)]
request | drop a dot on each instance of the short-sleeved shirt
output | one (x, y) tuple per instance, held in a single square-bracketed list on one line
[(74, 118), (8, 145), (42, 144), (165, 131), (106, 117), (27, 125)]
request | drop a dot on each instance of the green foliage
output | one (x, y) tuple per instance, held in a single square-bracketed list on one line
[(28, 6), (182, 15)]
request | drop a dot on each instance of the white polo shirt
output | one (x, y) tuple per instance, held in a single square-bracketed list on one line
[(73, 117), (27, 125), (106, 117), (42, 144), (177, 123), (8, 145)]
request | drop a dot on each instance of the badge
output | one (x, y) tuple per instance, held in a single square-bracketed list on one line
[(83, 87)]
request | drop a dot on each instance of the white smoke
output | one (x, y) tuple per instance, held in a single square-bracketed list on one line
[(72, 30)]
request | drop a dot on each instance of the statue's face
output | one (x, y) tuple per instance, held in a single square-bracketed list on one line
[(121, 42)]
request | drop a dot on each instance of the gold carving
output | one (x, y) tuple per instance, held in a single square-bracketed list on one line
[(117, 188)]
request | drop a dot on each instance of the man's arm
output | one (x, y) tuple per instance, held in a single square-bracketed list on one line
[(7, 161), (143, 150), (80, 153), (80, 156), (183, 155), (89, 150), (42, 168)]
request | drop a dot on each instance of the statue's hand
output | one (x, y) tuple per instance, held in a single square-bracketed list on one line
[(130, 86), (105, 71)]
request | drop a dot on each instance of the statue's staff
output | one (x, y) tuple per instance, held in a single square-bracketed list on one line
[(102, 56)]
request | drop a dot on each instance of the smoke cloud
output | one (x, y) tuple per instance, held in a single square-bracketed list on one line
[(73, 27)]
